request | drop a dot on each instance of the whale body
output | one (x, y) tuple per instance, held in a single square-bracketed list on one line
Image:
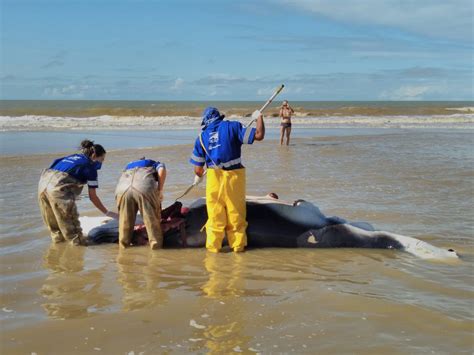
[(276, 224)]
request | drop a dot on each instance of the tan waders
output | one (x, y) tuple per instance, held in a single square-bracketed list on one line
[(138, 190), (57, 193)]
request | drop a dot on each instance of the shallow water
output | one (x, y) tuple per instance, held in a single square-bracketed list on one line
[(99, 299), (39, 142)]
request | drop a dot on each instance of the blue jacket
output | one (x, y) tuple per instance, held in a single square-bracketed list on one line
[(223, 141), (78, 166)]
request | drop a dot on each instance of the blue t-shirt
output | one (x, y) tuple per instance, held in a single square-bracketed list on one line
[(78, 166), (223, 141), (145, 163)]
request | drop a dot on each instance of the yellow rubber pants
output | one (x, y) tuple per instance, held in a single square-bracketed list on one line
[(226, 209)]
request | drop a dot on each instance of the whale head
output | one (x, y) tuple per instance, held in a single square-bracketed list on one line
[(423, 249)]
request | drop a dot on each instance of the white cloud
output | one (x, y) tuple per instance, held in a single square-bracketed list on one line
[(294, 90), (267, 91), (178, 83), (222, 79), (69, 91), (437, 18), (57, 60), (407, 92), (410, 83)]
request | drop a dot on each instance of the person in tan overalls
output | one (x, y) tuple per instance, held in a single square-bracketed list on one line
[(62, 183), (140, 188)]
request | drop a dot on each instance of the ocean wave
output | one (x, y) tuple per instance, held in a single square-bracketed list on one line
[(42, 123), (462, 109)]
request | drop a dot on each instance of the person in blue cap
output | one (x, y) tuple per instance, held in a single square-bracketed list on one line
[(140, 187), (62, 183), (219, 147)]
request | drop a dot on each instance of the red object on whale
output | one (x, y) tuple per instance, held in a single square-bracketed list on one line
[(172, 219)]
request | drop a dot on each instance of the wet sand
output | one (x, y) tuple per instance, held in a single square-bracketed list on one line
[(61, 299)]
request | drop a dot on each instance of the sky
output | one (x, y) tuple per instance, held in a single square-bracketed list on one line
[(236, 50)]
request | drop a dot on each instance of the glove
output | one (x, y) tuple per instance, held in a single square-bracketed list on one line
[(112, 214), (197, 180), (256, 114)]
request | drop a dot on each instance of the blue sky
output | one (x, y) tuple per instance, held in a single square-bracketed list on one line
[(237, 50)]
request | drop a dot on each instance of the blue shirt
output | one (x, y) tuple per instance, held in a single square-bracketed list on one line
[(78, 166), (145, 163), (223, 141)]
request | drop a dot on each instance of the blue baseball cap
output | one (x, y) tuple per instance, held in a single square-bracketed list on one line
[(210, 115)]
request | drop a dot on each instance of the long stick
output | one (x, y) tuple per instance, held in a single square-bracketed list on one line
[(269, 101), (188, 189), (271, 98)]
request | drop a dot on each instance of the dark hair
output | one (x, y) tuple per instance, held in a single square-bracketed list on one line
[(88, 148)]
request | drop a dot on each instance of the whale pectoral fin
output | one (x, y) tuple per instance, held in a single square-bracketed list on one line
[(337, 236)]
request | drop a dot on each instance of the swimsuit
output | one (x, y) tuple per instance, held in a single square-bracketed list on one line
[(286, 124)]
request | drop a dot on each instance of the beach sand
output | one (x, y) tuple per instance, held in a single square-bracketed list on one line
[(61, 299)]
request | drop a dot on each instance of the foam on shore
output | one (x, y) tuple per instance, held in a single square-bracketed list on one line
[(51, 123)]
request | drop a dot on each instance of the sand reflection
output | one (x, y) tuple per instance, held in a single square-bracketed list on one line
[(141, 277), (70, 289)]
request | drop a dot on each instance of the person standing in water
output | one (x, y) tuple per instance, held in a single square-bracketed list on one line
[(62, 183), (219, 147), (285, 126), (140, 187)]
